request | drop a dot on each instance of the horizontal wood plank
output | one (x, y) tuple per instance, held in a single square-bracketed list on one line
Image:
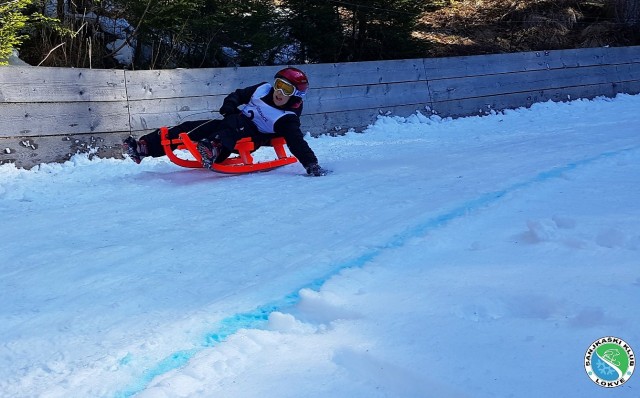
[(179, 83), (27, 152), (445, 68), (40, 119), (621, 55), (336, 123), (488, 85), (364, 73), (367, 97), (151, 114), (36, 84), (488, 104)]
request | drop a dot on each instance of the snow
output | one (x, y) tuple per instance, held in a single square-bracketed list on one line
[(475, 257), (125, 53), (14, 59)]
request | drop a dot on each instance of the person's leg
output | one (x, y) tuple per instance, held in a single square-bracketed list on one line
[(205, 129), (151, 144), (217, 147)]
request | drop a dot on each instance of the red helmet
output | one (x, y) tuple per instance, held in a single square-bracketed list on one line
[(296, 77)]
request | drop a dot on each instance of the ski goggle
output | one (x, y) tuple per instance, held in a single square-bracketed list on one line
[(287, 89)]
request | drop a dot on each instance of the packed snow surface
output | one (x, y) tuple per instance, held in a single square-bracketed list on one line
[(475, 257)]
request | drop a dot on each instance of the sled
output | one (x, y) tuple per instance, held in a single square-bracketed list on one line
[(240, 164)]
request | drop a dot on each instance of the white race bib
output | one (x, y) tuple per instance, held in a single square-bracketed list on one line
[(261, 114)]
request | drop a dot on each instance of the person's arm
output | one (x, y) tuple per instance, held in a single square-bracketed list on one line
[(239, 97), (289, 127)]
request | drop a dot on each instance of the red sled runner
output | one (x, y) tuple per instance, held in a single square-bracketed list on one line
[(243, 163)]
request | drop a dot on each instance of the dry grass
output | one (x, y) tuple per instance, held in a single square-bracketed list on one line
[(471, 27)]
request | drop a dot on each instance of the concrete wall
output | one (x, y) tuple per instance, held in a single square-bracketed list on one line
[(48, 114)]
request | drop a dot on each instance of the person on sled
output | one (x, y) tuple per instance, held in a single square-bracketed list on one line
[(268, 111)]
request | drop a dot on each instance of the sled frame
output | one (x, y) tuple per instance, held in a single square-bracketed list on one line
[(240, 164)]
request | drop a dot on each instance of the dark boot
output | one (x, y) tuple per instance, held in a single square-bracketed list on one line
[(209, 152), (135, 149)]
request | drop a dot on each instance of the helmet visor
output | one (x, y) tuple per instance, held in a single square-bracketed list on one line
[(287, 89)]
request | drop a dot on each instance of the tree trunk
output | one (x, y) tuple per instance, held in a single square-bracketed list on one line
[(60, 9), (628, 12)]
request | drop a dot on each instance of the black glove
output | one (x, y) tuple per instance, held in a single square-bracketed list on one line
[(228, 109), (316, 171)]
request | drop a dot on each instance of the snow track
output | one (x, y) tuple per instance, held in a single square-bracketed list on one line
[(257, 318), (152, 268)]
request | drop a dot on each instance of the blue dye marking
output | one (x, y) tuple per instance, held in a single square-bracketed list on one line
[(257, 318), (126, 359), (173, 361)]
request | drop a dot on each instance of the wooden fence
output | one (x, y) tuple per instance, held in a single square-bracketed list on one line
[(49, 114)]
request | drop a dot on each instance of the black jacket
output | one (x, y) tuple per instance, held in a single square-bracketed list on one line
[(288, 126)]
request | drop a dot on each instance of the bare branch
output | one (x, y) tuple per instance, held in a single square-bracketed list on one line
[(52, 50)]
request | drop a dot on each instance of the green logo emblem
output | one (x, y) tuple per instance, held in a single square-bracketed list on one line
[(609, 362)]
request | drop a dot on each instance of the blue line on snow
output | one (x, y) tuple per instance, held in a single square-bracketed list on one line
[(258, 317)]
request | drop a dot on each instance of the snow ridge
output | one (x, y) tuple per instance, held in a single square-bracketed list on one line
[(258, 317)]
